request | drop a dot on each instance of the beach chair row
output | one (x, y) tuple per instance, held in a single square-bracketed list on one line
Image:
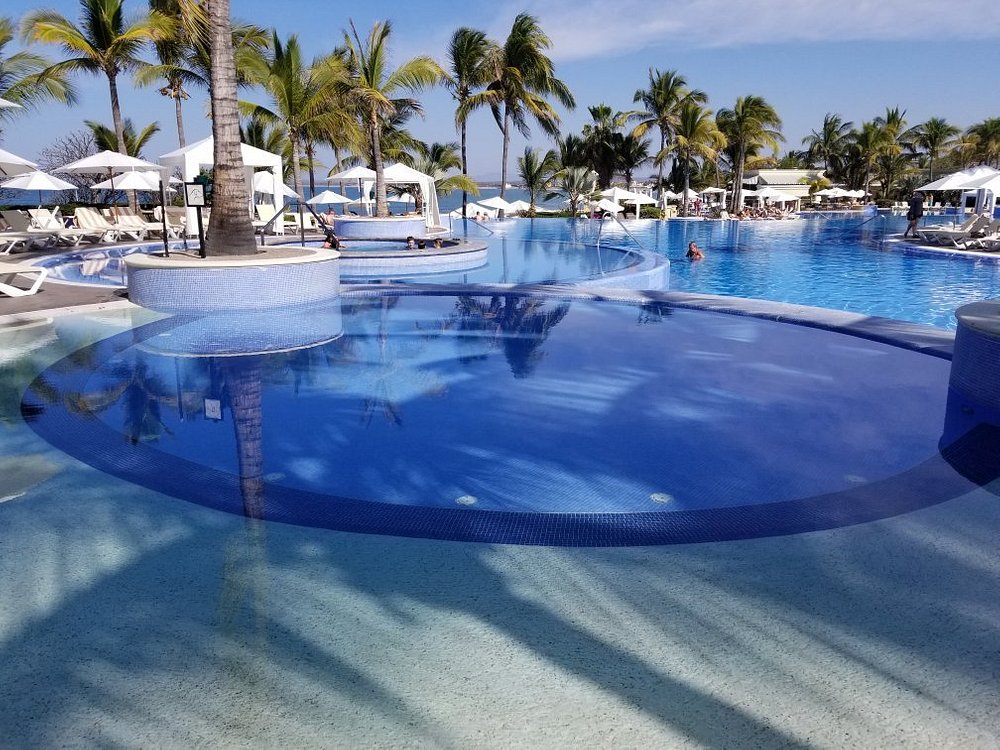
[(41, 228)]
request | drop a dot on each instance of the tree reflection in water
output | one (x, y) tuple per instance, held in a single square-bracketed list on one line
[(518, 324)]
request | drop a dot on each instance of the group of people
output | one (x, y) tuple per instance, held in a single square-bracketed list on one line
[(414, 244), (765, 212)]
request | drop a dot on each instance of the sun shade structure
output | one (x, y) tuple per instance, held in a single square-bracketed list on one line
[(961, 180), (263, 182), (497, 202), (399, 173), (618, 195), (328, 197), (12, 164), (361, 174), (190, 159), (39, 181)]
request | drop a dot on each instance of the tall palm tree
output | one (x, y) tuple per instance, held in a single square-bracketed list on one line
[(662, 101), (831, 140), (536, 172), (572, 151), (525, 77), (633, 152), (868, 144), (103, 42), (22, 80), (473, 59), (437, 160), (106, 140), (185, 59), (231, 232), (301, 97), (370, 87), (603, 142), (987, 140), (696, 137), (934, 136), (750, 125)]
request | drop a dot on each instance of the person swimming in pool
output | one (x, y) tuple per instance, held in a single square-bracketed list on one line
[(694, 252), (411, 243)]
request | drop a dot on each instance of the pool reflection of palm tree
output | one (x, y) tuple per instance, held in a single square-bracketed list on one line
[(519, 324)]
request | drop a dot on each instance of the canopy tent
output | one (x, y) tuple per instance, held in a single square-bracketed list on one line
[(773, 194), (263, 182), (191, 158), (712, 190), (618, 195), (11, 164), (399, 173)]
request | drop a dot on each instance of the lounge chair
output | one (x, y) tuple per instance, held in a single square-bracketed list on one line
[(126, 217), (988, 238), (175, 224), (47, 221), (11, 240), (265, 212), (955, 235), (21, 224), (90, 220), (9, 271)]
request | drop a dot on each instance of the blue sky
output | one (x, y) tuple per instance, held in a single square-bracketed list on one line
[(806, 57)]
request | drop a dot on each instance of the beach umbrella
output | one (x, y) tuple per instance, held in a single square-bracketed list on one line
[(11, 164), (355, 173), (712, 190), (39, 181), (128, 181), (959, 180), (496, 202), (516, 206), (670, 195), (109, 160), (605, 204), (328, 197)]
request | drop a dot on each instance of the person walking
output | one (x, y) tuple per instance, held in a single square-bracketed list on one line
[(913, 214)]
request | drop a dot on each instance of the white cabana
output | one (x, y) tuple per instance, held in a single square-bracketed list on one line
[(361, 174), (399, 173), (962, 180), (619, 195), (194, 156), (263, 182)]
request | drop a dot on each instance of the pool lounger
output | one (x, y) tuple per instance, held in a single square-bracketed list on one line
[(9, 270)]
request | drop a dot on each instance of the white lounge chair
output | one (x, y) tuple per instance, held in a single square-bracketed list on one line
[(47, 221), (988, 238), (21, 224), (9, 271), (11, 240), (90, 220), (955, 235)]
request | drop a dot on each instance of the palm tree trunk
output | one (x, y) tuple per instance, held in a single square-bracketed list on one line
[(310, 157), (178, 114), (296, 156), (336, 156), (231, 232), (930, 156), (381, 201), (506, 145), (687, 183), (738, 181), (465, 169), (116, 116), (659, 169)]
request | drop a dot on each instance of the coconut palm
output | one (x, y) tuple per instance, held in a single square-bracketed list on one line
[(301, 97), (437, 160), (106, 140), (867, 145), (633, 152), (831, 140), (184, 57), (575, 183), (103, 42), (231, 232), (752, 124), (525, 77), (370, 87), (603, 141), (536, 172), (662, 101), (473, 60), (696, 137), (934, 136), (572, 151), (22, 80), (987, 140)]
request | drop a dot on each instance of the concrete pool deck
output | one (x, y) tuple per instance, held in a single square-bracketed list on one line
[(131, 618)]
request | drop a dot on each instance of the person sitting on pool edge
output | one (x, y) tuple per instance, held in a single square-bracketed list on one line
[(332, 242), (411, 243), (437, 243), (694, 252)]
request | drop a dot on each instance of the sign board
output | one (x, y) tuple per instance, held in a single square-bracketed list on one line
[(194, 194)]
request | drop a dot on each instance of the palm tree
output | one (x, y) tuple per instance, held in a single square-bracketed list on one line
[(662, 101), (232, 232), (868, 144), (572, 151), (184, 57), (603, 142), (536, 172), (103, 43), (370, 86), (473, 60), (22, 80), (106, 140), (301, 97), (750, 125), (525, 76), (934, 136), (696, 136), (831, 140), (633, 152), (576, 183), (987, 140), (437, 160)]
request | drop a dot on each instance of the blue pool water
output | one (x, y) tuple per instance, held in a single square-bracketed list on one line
[(841, 264), (510, 418)]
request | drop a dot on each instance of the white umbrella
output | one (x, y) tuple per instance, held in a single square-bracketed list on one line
[(128, 181), (39, 181), (670, 195), (472, 209), (496, 202), (326, 197), (519, 205), (689, 194), (713, 190), (608, 205), (11, 164), (110, 160), (960, 180), (355, 173)]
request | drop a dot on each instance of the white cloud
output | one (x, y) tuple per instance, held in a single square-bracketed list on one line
[(589, 29)]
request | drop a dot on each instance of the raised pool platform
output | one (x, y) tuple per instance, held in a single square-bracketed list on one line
[(372, 227)]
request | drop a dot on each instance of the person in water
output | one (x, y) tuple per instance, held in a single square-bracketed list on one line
[(411, 243), (694, 252), (332, 242)]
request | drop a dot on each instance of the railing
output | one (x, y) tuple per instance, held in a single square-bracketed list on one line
[(624, 229)]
